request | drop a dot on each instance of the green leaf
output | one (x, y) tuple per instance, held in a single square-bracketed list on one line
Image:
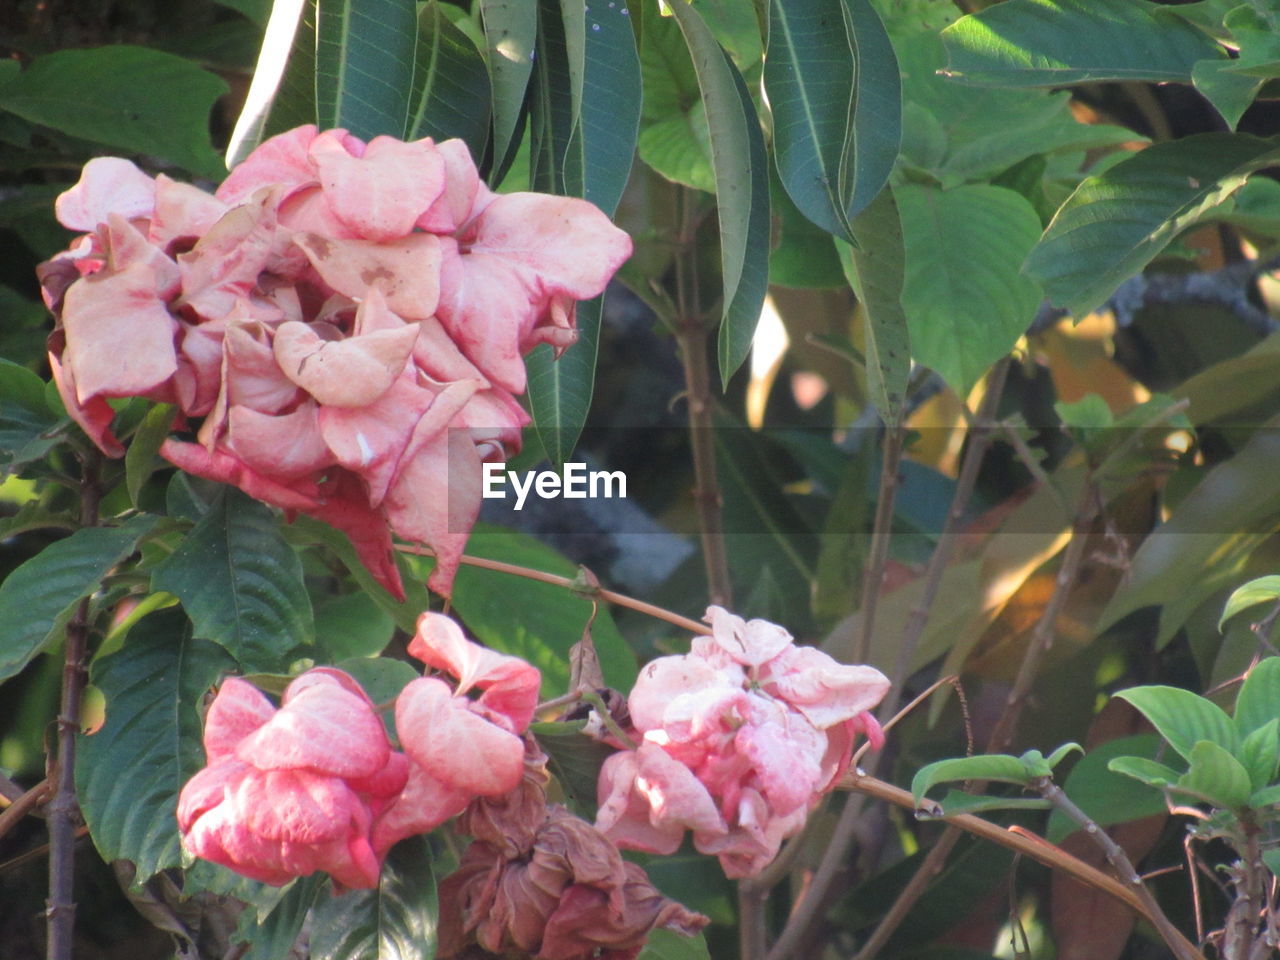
[(999, 767), (1183, 718), (1266, 797), (291, 102), (451, 96), (957, 801), (1088, 413), (352, 625), (241, 583), (742, 188), (536, 621), (129, 773), (832, 81), (382, 679), (140, 100), (802, 255), (364, 65), (273, 937), (1117, 222), (1150, 772), (1032, 43), (1102, 793), (397, 921), (665, 944), (140, 458), (674, 140), (510, 28), (38, 598), (877, 271), (560, 389), (1232, 85), (575, 760), (1272, 859), (965, 301), (28, 429), (1216, 775), (1260, 753), (1259, 699), (1260, 590)]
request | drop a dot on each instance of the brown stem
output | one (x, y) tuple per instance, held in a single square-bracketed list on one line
[(881, 533), (24, 804), (1120, 863), (609, 596), (63, 810)]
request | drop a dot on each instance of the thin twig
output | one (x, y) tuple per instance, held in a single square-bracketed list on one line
[(881, 534), (63, 809), (610, 596), (19, 808)]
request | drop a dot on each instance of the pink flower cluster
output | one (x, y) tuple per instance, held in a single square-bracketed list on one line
[(738, 740), (316, 785), (348, 318)]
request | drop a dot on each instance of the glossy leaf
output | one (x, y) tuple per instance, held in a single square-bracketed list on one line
[(1259, 699), (38, 598), (133, 98), (560, 389), (832, 81), (365, 65), (129, 773), (1255, 592), (1216, 775), (998, 767), (965, 300), (397, 921), (575, 760), (1147, 771), (272, 937), (140, 458), (451, 95), (1183, 718), (1117, 222), (1028, 43), (510, 28), (742, 188), (241, 583), (1260, 753), (1105, 795)]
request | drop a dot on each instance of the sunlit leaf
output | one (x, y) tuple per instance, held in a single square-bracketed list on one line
[(273, 937), (1106, 796), (1260, 753), (1255, 592), (1001, 768), (1216, 775)]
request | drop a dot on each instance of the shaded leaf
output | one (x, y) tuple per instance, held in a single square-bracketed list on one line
[(352, 625), (666, 945), (140, 458), (140, 100), (38, 598), (364, 65), (129, 773), (510, 28), (451, 95), (575, 759), (397, 921), (241, 583), (1118, 221), (1183, 718), (1105, 795), (1028, 43), (1147, 771), (273, 937)]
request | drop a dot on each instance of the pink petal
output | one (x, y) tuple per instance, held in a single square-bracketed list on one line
[(226, 468), (825, 691), (199, 378), (125, 245), (380, 194), (107, 185), (281, 159), (182, 210), (94, 417), (344, 373), (455, 745), (750, 644), (107, 310), (344, 504), (787, 760), (622, 813), (408, 269), (253, 378), (665, 678), (238, 710), (225, 263), (297, 806), (462, 185), (436, 355), (284, 446), (425, 803), (673, 792)]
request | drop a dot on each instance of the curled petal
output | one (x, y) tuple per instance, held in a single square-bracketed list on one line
[(424, 804), (238, 710), (456, 204), (286, 446), (296, 806), (94, 416), (749, 643), (665, 679), (455, 745), (182, 210), (344, 505), (825, 691), (282, 159), (380, 194), (407, 269), (343, 373), (648, 799), (225, 468), (107, 185)]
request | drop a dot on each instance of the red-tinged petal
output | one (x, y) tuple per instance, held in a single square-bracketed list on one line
[(357, 868), (408, 269), (344, 504), (182, 210), (510, 684), (673, 792), (286, 446), (225, 468), (323, 728), (108, 311), (867, 724), (750, 847), (425, 803), (198, 381), (384, 785), (455, 745), (94, 417), (125, 245), (665, 678), (462, 188), (281, 159), (343, 373), (787, 760), (238, 710), (494, 417), (296, 806), (253, 378), (380, 194), (825, 691), (225, 263), (107, 185), (622, 813), (437, 356), (207, 789), (219, 837)]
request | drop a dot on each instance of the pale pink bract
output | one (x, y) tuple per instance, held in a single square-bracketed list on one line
[(738, 740), (348, 319)]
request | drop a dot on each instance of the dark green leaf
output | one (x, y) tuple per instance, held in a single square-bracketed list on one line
[(575, 759), (560, 389), (832, 81), (1216, 776), (273, 937), (451, 96), (279, 104), (742, 188), (1183, 718), (364, 65), (241, 583), (1106, 796), (134, 98), (129, 773), (352, 625), (1259, 699), (395, 922), (1260, 590), (802, 255), (1001, 768), (140, 458), (510, 27), (966, 302), (1117, 222), (1029, 43), (38, 598)]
